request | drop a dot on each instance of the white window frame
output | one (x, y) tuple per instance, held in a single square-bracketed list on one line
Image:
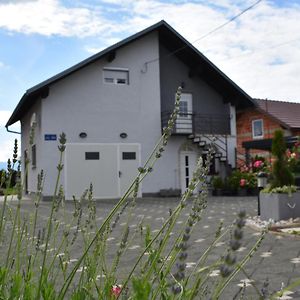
[(262, 129), (115, 79)]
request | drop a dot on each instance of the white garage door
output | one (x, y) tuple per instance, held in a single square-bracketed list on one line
[(109, 167)]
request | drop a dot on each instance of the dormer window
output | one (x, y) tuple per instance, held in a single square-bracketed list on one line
[(116, 76)]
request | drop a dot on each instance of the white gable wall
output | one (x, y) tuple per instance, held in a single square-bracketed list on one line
[(81, 102), (25, 145)]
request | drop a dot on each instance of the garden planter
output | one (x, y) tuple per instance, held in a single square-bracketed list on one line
[(242, 192), (217, 192), (279, 206)]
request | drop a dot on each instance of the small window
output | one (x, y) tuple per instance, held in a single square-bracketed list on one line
[(116, 76), (128, 155), (33, 156), (257, 129), (92, 155), (108, 80), (121, 81)]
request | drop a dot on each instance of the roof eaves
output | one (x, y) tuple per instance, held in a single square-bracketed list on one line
[(210, 63), (12, 117), (78, 66), (260, 109), (94, 57), (99, 55)]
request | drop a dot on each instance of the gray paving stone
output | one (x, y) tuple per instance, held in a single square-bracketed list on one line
[(278, 258)]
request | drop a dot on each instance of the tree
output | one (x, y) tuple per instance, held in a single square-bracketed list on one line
[(282, 174)]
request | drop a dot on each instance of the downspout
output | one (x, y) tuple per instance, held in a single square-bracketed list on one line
[(11, 131)]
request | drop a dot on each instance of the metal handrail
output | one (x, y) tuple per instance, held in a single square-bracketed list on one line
[(191, 122)]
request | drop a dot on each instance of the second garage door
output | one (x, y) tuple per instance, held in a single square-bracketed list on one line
[(109, 167)]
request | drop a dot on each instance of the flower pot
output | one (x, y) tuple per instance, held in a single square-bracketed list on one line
[(217, 192), (242, 192), (279, 206)]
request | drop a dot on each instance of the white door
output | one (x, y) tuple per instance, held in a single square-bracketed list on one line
[(184, 122), (103, 166), (188, 161), (129, 155)]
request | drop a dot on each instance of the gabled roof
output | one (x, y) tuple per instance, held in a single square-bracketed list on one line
[(286, 113), (179, 47)]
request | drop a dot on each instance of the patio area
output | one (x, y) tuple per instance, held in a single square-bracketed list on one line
[(277, 260)]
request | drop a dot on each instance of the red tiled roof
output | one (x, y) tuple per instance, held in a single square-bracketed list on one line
[(286, 112)]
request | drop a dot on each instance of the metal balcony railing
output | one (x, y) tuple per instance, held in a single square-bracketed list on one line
[(194, 123)]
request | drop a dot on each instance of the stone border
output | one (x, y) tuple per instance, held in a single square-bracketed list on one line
[(256, 224)]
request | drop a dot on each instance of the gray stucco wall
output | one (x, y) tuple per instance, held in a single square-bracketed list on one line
[(173, 72), (25, 145), (81, 102)]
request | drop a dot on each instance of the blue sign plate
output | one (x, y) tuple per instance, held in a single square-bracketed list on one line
[(50, 137)]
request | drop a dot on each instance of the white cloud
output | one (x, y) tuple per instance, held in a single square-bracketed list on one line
[(50, 17), (6, 146), (92, 49), (7, 139), (246, 50), (4, 116)]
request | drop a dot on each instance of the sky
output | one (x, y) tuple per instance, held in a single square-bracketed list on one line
[(259, 51)]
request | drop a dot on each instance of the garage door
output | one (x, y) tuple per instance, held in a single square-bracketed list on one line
[(109, 167)]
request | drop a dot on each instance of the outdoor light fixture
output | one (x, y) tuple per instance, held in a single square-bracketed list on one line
[(83, 135), (123, 135)]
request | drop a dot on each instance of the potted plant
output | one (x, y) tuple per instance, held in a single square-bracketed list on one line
[(217, 184), (293, 156), (280, 199)]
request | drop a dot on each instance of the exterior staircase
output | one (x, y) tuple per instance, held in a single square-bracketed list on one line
[(218, 143)]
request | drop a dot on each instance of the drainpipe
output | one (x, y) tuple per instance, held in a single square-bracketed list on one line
[(11, 131)]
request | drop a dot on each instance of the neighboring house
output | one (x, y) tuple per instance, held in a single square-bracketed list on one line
[(256, 127), (113, 106)]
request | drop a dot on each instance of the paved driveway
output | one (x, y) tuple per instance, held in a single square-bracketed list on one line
[(278, 258)]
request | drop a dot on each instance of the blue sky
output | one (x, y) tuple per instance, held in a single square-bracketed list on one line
[(260, 51)]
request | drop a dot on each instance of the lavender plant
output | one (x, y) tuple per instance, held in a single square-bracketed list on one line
[(36, 253)]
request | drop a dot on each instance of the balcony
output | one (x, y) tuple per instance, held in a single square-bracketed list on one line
[(194, 123)]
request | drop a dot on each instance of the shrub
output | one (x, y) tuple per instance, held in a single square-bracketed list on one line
[(281, 173), (36, 258), (240, 179), (217, 182)]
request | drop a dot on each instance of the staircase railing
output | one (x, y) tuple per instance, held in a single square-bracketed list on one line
[(220, 141), (190, 122)]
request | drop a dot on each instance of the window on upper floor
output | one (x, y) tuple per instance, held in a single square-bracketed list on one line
[(257, 129), (116, 76)]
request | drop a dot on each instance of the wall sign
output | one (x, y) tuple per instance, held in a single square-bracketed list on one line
[(50, 137)]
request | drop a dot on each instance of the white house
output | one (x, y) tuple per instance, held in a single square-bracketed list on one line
[(113, 106)]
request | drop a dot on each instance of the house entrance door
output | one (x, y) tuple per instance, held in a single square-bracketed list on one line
[(184, 122), (188, 161)]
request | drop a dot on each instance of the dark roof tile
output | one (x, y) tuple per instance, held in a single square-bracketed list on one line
[(286, 112), (217, 77)]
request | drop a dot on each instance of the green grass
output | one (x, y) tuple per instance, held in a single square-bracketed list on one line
[(8, 191)]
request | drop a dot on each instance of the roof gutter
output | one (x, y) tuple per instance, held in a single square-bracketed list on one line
[(11, 131)]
